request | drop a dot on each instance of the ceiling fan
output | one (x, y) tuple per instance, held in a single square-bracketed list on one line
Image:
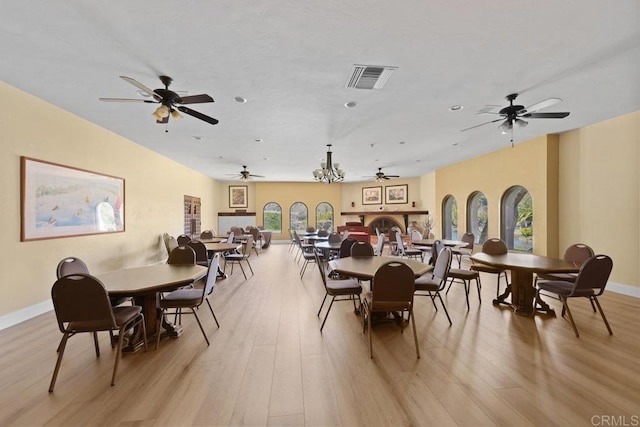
[(170, 102), (515, 114), (381, 176), (245, 175)]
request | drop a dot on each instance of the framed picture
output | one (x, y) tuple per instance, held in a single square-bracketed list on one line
[(238, 196), (372, 196), (63, 201), (396, 194)]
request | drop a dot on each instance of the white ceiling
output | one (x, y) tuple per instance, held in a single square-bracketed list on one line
[(291, 60)]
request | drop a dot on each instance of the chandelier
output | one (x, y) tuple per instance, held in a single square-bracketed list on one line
[(329, 172)]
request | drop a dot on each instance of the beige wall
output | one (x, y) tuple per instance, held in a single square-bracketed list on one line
[(287, 193), (31, 127), (599, 188), (527, 164), (585, 186)]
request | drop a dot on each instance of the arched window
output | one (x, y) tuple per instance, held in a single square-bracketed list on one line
[(477, 219), (272, 217), (449, 218), (298, 216), (516, 225), (324, 216)]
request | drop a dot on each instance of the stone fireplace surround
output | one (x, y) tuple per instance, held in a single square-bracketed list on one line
[(384, 220)]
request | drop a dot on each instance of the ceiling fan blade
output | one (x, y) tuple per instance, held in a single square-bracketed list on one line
[(140, 86), (256, 176), (482, 124), (127, 100), (197, 115), (195, 99), (392, 176), (540, 105), (546, 115)]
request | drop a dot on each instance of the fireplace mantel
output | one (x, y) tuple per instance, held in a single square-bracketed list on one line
[(385, 212), (405, 214)]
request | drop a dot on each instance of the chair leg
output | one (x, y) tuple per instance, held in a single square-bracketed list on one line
[(123, 328), (566, 306), (333, 298), (369, 327), (602, 314), (241, 268), (158, 326), (415, 334), (95, 342), (466, 292), (250, 269), (478, 286), (214, 315), (61, 347), (322, 305), (445, 309), (200, 324), (592, 305)]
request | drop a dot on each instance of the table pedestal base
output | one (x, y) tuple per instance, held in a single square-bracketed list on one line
[(523, 295)]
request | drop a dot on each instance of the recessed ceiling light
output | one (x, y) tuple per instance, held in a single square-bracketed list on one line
[(265, 158), (456, 107), (350, 104), (401, 142), (240, 99), (197, 138), (221, 157), (455, 144), (258, 139)]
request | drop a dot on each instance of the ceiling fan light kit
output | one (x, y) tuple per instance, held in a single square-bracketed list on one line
[(514, 114), (170, 102)]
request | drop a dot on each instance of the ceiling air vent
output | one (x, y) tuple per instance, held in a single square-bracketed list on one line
[(369, 76)]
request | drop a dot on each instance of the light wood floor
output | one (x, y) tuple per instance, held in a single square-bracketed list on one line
[(268, 364)]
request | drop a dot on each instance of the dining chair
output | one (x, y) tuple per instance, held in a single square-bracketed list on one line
[(464, 276), (257, 237), (347, 287), (379, 245), (207, 234), (360, 248), (345, 247), (201, 252), (576, 254), (493, 246), (590, 283), (182, 255), (414, 236), (191, 298), (81, 304), (406, 252), (72, 265), (323, 233), (467, 250), (239, 257), (183, 239), (393, 289), (311, 229), (434, 284), (170, 242), (303, 248)]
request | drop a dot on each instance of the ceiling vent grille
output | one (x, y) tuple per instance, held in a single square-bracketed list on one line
[(369, 76)]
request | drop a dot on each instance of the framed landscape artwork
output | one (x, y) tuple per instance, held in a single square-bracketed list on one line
[(372, 195), (396, 194), (238, 196), (64, 201)]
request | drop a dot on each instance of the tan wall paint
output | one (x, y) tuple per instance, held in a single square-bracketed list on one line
[(287, 193), (155, 187), (526, 164), (599, 188)]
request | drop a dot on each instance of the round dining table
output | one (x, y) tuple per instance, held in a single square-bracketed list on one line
[(522, 267), (446, 242), (365, 267)]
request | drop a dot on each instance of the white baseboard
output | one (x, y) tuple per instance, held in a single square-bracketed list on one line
[(619, 288), (26, 313)]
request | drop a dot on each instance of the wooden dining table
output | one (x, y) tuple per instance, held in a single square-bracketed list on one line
[(365, 267), (446, 242), (144, 284), (522, 267)]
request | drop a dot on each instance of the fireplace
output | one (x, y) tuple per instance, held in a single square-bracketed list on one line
[(383, 224)]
